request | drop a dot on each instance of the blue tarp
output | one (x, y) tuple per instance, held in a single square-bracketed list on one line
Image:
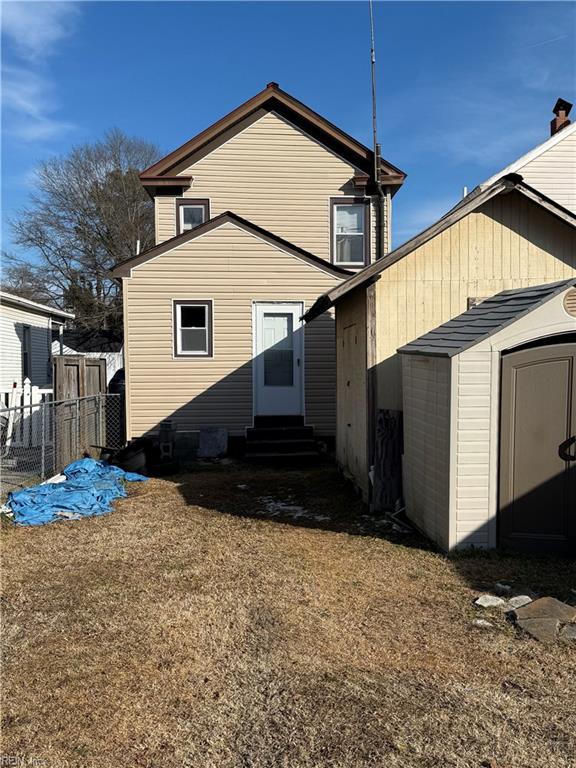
[(89, 489)]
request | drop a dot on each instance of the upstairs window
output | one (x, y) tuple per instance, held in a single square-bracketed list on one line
[(191, 213), (350, 246), (193, 328)]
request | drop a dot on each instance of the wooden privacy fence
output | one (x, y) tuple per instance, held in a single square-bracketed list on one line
[(79, 425), (78, 417), (76, 376)]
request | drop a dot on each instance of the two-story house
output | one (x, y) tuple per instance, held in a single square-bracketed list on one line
[(255, 217)]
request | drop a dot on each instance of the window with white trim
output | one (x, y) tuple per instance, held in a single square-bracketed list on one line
[(191, 213), (349, 233), (193, 328)]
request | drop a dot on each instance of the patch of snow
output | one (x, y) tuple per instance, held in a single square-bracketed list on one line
[(482, 623), (274, 508)]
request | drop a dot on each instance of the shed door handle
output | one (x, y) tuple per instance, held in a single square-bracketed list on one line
[(563, 449)]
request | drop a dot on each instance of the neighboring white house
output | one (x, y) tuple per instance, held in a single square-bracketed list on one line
[(25, 340), (551, 166), (90, 343)]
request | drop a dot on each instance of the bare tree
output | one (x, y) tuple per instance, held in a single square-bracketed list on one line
[(86, 215)]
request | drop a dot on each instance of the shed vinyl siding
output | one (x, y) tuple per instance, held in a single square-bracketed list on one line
[(478, 415), (554, 172), (12, 321), (427, 444), (274, 175), (473, 480), (351, 354), (509, 242), (233, 269)]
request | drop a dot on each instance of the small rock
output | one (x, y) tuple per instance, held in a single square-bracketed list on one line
[(518, 602), (242, 487), (502, 589), (543, 630), (568, 633), (490, 601), (482, 623)]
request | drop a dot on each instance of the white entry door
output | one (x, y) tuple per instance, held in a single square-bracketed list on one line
[(278, 359)]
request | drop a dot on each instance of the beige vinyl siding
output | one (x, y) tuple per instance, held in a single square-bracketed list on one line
[(274, 175), (509, 242), (12, 322), (233, 269), (427, 390), (554, 172), (351, 354)]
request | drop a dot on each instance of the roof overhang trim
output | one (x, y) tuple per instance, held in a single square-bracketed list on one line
[(274, 99), (124, 269)]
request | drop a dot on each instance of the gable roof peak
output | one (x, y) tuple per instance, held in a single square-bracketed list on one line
[(271, 99)]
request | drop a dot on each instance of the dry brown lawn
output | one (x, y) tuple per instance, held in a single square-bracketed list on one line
[(184, 629)]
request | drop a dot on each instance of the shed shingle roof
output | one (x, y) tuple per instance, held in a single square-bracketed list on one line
[(483, 320)]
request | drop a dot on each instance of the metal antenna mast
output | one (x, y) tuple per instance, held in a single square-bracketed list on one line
[(377, 156), (374, 113)]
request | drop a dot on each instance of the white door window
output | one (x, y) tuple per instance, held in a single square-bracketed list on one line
[(278, 361)]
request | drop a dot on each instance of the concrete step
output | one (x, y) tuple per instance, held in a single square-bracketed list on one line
[(279, 433), (278, 421), (283, 456), (280, 446)]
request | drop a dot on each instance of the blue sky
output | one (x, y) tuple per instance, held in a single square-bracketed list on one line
[(464, 87)]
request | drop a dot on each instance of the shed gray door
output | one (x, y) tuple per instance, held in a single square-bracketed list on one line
[(538, 449)]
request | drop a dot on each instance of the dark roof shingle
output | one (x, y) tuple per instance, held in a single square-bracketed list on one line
[(483, 320)]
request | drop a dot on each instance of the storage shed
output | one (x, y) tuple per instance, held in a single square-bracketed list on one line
[(490, 423)]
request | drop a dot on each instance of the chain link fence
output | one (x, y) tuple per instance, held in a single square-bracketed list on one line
[(38, 440)]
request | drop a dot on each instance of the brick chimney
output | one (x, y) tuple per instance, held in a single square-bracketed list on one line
[(561, 110)]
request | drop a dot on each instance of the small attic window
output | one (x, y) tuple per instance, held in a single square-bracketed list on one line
[(191, 213)]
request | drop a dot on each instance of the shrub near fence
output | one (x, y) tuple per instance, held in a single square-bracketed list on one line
[(37, 440)]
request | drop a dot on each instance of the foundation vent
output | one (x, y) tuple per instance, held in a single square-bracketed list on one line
[(570, 302)]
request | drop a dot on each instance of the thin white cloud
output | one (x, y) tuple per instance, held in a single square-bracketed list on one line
[(547, 42), (418, 217), (35, 28), (32, 33), (541, 47), (29, 105), (473, 126)]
